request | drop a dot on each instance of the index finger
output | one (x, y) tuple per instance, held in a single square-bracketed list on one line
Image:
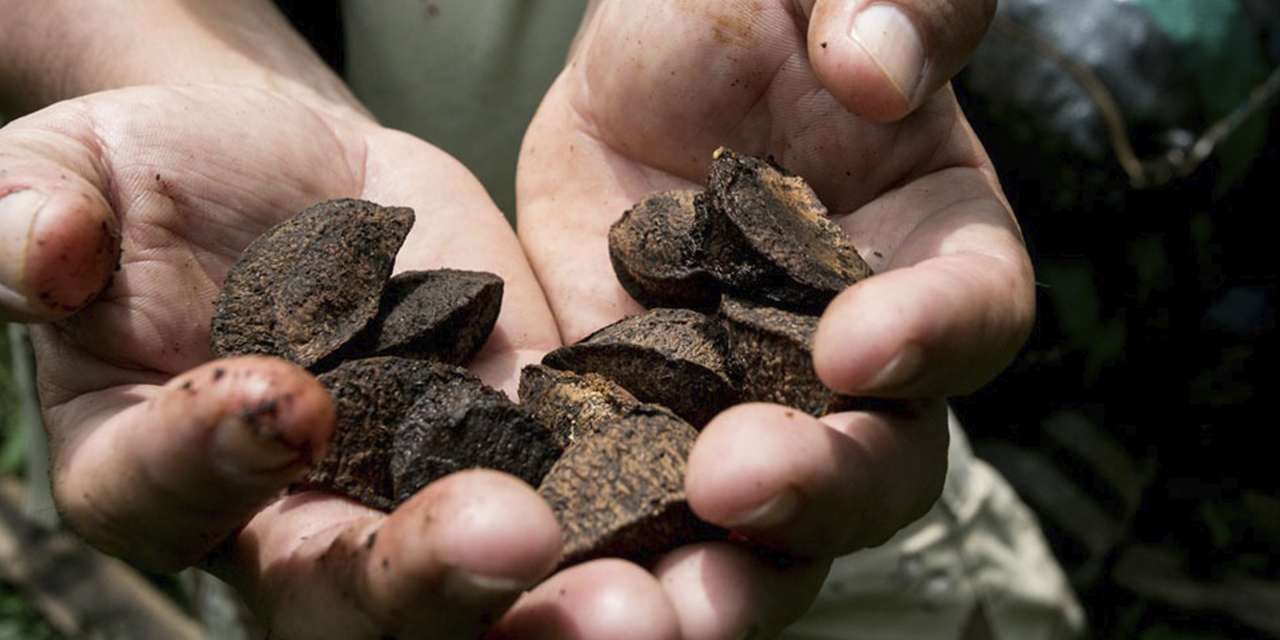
[(953, 303)]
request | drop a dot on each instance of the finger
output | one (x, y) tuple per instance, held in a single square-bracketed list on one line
[(698, 592), (726, 591), (161, 475), (940, 328), (445, 564), (951, 305), (59, 243), (881, 58), (818, 488), (600, 599)]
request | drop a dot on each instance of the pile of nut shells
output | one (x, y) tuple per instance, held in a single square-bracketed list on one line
[(733, 276)]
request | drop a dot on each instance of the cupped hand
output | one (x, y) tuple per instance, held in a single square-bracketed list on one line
[(168, 457), (853, 96)]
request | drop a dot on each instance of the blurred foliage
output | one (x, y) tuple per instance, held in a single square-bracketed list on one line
[(18, 621), (1086, 327), (1157, 298), (13, 441), (1226, 61)]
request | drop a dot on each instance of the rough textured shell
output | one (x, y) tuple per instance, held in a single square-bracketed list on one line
[(311, 283)]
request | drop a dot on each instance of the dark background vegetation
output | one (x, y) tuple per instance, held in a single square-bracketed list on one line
[(1135, 420)]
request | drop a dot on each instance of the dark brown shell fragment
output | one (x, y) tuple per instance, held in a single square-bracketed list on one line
[(620, 492), (671, 357), (403, 423), (573, 406), (771, 357), (443, 314), (659, 249), (311, 283), (371, 397), (771, 240), (459, 423)]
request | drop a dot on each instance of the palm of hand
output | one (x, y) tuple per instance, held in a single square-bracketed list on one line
[(188, 196), (649, 92), (638, 117), (190, 193), (159, 453)]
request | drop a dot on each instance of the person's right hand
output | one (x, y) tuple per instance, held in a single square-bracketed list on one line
[(167, 457), (852, 95)]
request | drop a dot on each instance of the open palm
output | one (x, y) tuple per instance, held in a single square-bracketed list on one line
[(165, 456), (650, 90)]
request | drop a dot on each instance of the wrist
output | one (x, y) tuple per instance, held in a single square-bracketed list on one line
[(59, 49)]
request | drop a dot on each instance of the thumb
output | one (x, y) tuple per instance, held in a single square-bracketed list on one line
[(59, 242), (882, 59), (163, 480)]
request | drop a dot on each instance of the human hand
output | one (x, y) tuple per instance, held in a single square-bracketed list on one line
[(167, 457), (650, 90)]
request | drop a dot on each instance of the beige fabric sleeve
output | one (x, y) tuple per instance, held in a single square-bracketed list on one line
[(464, 75), (977, 559)]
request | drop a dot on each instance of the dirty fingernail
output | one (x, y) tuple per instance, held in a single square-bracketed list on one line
[(240, 449), (775, 511), (18, 213), (893, 43), (468, 586), (900, 369)]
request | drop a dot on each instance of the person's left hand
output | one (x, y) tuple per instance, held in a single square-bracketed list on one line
[(851, 95)]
